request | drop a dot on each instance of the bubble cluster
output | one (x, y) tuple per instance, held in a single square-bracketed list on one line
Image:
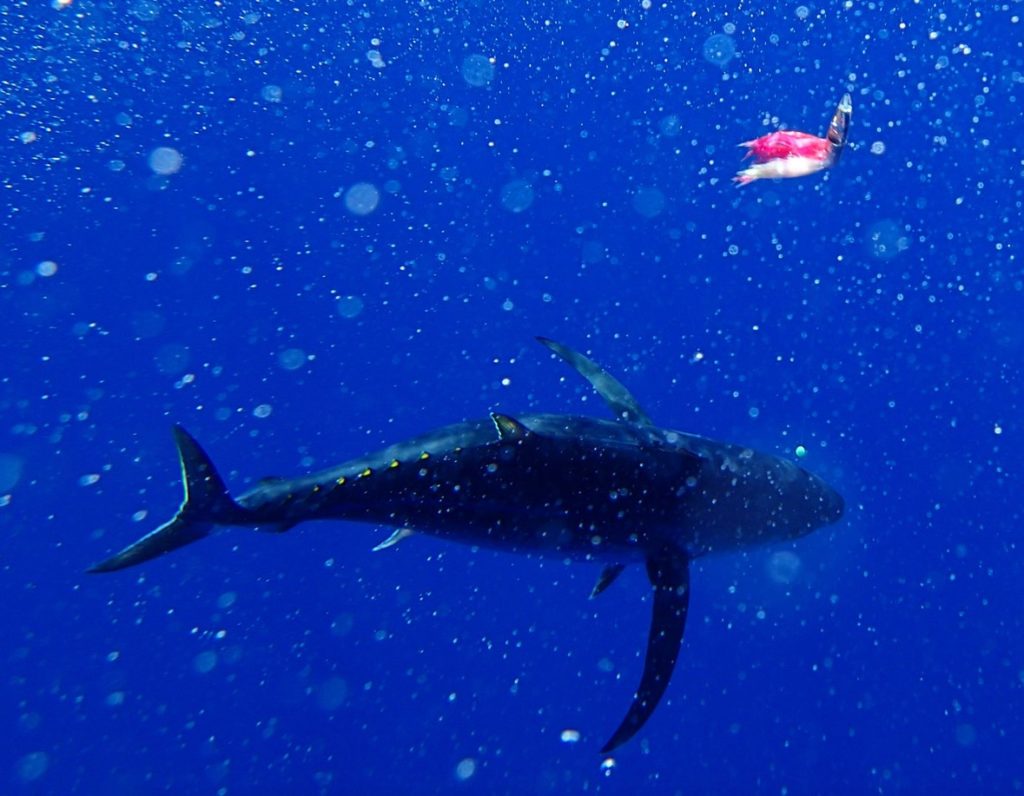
[(885, 239)]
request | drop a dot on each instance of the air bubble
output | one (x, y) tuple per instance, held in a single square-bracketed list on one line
[(165, 160), (362, 198), (719, 50), (477, 70), (349, 306)]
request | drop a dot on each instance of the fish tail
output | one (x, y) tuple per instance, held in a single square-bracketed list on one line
[(206, 505)]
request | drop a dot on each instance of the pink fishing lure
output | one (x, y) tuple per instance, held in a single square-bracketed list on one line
[(788, 153)]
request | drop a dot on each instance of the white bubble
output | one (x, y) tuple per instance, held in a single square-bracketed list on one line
[(570, 736), (517, 195), (784, 566), (46, 268), (165, 160), (115, 699), (477, 70), (227, 599), (11, 467), (719, 49), (32, 766), (349, 306), (332, 694), (272, 93), (465, 769), (648, 202), (292, 358), (877, 148), (802, 12), (89, 479), (205, 662), (262, 411), (362, 198)]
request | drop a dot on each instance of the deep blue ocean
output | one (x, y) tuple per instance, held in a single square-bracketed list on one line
[(308, 230)]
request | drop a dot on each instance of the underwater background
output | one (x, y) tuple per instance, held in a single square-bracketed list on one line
[(307, 230)]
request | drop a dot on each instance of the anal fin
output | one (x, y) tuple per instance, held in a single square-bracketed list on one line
[(395, 538), (606, 578), (669, 573)]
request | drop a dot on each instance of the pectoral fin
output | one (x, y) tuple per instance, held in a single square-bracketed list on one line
[(669, 572)]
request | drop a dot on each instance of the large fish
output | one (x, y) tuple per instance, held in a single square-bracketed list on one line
[(619, 491)]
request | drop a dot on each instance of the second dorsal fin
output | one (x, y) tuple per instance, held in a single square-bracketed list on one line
[(619, 399)]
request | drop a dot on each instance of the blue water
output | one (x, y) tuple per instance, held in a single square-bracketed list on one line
[(307, 230)]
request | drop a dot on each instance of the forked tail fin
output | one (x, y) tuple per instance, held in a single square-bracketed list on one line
[(207, 504)]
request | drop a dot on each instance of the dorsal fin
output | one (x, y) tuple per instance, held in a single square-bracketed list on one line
[(669, 572), (509, 429), (619, 399)]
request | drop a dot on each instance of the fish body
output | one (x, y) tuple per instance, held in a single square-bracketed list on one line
[(620, 491)]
